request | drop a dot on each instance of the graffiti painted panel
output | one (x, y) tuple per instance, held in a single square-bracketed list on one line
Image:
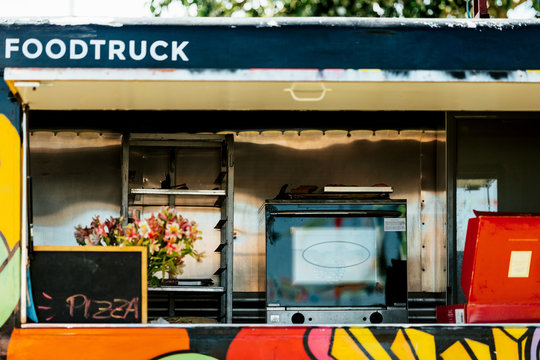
[(230, 342), (10, 217), (96, 343)]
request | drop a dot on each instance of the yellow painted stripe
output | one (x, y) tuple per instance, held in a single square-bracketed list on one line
[(343, 347), (424, 344), (516, 332), (456, 352), (11, 86), (366, 338), (480, 350), (140, 249), (506, 346), (401, 347), (10, 182)]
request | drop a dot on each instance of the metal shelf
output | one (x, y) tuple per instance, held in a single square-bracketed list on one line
[(222, 197), (182, 197), (220, 247), (202, 289), (220, 224), (220, 270), (179, 192)]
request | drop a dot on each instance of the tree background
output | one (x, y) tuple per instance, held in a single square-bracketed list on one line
[(343, 8)]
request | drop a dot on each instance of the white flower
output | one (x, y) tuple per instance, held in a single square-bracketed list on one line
[(144, 228), (154, 246)]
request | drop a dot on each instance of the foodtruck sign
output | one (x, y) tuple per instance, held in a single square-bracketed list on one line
[(100, 46), (186, 45), (96, 49)]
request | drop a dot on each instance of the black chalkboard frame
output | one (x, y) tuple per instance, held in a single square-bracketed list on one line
[(141, 250)]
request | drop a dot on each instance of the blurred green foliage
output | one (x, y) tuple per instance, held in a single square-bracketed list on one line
[(343, 8)]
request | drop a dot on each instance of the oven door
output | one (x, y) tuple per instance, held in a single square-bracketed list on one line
[(333, 255)]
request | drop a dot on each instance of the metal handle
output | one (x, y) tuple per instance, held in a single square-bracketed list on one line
[(339, 213)]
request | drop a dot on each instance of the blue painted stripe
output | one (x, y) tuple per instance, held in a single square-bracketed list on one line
[(387, 44), (9, 107)]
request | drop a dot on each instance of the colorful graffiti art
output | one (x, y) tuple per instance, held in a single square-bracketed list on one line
[(420, 343), (10, 218), (268, 342)]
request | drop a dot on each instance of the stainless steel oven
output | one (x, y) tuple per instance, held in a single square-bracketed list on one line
[(336, 261)]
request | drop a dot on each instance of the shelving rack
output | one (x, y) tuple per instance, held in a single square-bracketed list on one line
[(221, 197)]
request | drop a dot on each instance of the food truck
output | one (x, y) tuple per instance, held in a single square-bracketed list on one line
[(327, 171)]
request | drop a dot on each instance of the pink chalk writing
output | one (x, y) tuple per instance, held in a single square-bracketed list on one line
[(102, 309)]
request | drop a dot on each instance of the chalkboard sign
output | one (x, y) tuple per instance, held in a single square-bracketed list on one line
[(89, 284)]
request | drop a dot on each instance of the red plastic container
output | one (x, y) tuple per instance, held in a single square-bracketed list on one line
[(450, 314), (501, 268)]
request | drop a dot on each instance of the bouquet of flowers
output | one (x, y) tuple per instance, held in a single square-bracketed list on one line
[(104, 233), (168, 236)]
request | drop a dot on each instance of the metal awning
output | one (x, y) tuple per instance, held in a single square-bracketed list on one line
[(273, 64), (273, 89)]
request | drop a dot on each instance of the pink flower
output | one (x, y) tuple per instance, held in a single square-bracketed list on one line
[(95, 221), (101, 230), (135, 217), (172, 232), (171, 247), (163, 215), (166, 229), (131, 234)]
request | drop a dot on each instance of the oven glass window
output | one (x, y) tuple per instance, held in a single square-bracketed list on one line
[(328, 257)]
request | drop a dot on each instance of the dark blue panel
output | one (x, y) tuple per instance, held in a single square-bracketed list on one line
[(403, 44), (8, 106)]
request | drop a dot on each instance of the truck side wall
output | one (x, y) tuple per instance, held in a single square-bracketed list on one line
[(10, 214)]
